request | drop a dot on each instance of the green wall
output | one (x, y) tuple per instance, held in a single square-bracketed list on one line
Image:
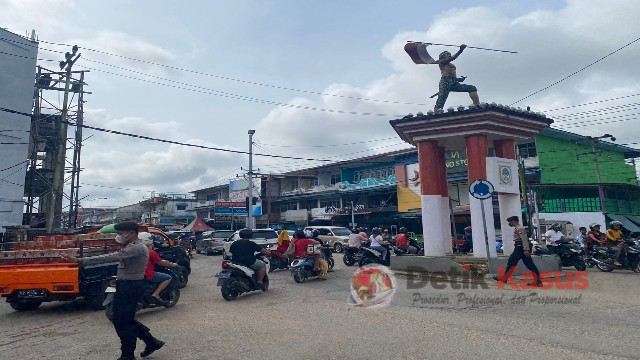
[(560, 165)]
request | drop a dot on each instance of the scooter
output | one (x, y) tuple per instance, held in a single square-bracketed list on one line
[(304, 268), (278, 261), (569, 251), (370, 256), (170, 295), (235, 279)]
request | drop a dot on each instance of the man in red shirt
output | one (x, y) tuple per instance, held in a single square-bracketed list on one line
[(161, 280), (402, 241), (301, 242)]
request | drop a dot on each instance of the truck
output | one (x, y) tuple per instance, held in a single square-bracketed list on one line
[(34, 272)]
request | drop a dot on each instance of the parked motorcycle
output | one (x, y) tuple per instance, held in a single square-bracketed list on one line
[(235, 279), (170, 295), (370, 256), (603, 257), (569, 252)]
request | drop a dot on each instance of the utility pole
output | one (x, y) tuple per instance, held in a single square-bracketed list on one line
[(55, 206), (594, 140), (250, 207), (353, 217)]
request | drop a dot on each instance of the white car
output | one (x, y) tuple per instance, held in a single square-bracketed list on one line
[(263, 237)]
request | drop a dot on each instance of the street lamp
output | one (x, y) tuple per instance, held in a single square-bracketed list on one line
[(250, 207)]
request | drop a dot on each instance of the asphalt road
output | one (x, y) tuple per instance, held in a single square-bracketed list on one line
[(313, 320)]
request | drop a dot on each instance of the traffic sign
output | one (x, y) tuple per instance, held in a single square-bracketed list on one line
[(481, 189)]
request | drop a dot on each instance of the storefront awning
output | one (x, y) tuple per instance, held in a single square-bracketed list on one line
[(626, 222)]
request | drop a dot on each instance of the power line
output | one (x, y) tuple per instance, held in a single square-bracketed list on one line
[(168, 141), (230, 78), (18, 164), (219, 93), (574, 73), (593, 102), (330, 145)]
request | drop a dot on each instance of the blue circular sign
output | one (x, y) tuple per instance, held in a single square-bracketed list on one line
[(481, 189)]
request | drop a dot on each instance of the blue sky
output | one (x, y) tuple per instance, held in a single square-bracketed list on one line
[(350, 48)]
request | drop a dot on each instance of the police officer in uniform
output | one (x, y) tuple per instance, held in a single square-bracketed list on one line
[(521, 251), (132, 262)]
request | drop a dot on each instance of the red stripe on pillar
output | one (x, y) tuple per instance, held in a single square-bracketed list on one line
[(428, 165), (505, 148), (477, 157), (442, 168)]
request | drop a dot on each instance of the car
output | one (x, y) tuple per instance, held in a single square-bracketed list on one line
[(263, 237), (336, 236), (213, 241)]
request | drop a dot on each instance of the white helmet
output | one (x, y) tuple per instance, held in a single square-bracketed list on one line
[(146, 238)]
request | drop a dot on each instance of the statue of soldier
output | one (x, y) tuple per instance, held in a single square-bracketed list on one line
[(449, 82)]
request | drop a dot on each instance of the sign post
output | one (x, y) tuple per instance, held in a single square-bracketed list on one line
[(482, 190)]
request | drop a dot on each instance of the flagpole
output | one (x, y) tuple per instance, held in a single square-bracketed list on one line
[(470, 47)]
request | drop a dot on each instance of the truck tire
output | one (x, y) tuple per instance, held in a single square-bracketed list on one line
[(25, 305)]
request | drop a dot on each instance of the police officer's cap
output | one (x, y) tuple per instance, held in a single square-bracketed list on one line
[(513, 218), (126, 226)]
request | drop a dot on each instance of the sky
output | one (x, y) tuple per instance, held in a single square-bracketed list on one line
[(243, 56)]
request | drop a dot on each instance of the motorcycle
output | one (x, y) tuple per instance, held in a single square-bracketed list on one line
[(278, 261), (370, 256), (569, 252), (603, 258), (179, 256), (235, 279), (304, 268), (170, 295), (352, 256)]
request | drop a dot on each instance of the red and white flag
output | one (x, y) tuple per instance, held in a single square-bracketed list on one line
[(418, 53)]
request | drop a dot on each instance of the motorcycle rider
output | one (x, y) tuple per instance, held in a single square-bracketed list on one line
[(160, 280), (356, 239), (243, 253), (402, 241), (301, 241), (521, 251), (553, 234), (615, 240), (132, 262), (377, 242), (583, 234), (594, 237)]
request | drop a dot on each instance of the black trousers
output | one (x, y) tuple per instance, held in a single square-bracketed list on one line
[(124, 311), (515, 257)]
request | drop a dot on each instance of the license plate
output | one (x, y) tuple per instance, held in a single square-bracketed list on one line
[(31, 294), (222, 277), (110, 289)]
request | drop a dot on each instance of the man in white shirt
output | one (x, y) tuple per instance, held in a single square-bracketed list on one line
[(554, 234)]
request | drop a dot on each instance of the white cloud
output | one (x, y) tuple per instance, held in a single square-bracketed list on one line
[(551, 45)]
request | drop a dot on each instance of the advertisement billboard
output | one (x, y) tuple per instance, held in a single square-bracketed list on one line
[(239, 192)]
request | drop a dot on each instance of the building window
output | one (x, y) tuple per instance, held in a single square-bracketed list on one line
[(181, 206), (294, 184), (336, 179), (288, 206), (212, 197), (527, 150)]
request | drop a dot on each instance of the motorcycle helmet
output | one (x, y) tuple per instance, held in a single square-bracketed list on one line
[(593, 225), (315, 233), (355, 231), (245, 233), (402, 230), (555, 226), (614, 223), (376, 231), (308, 233), (299, 234), (146, 238)]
